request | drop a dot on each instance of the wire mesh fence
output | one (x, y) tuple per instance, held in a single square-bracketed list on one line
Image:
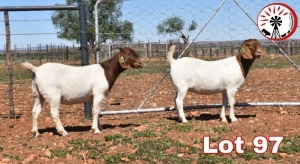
[(219, 37)]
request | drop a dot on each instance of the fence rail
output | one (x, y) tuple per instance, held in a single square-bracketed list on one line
[(63, 53)]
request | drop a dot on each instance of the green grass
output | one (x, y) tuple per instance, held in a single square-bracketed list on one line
[(277, 62), (145, 133), (220, 129), (154, 147), (118, 139), (154, 150), (216, 139), (112, 159), (153, 67), (209, 159), (183, 128), (16, 157), (60, 153), (94, 147), (291, 145), (249, 154)]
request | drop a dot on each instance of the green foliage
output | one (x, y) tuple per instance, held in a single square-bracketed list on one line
[(250, 154), (220, 129), (192, 26), (112, 159), (16, 157), (1, 148), (183, 128), (175, 25), (110, 26), (145, 133), (60, 152), (290, 145), (216, 139), (94, 147), (118, 139), (209, 159), (150, 150), (170, 25)]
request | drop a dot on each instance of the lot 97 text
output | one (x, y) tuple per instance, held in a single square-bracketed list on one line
[(225, 146)]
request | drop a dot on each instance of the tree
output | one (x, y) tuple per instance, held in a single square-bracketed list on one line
[(175, 25), (110, 25)]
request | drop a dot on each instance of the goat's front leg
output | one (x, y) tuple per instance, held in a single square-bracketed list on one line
[(231, 98), (55, 115), (224, 105), (96, 110), (179, 103)]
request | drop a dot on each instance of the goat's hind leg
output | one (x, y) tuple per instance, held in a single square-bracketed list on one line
[(55, 115), (181, 93), (36, 110)]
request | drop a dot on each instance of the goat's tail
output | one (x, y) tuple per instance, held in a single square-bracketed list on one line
[(170, 58), (29, 66)]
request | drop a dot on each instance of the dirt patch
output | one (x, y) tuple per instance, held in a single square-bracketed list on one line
[(154, 137)]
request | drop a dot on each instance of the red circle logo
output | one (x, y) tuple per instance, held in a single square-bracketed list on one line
[(277, 21)]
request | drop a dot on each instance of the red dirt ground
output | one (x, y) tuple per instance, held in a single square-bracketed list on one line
[(264, 85)]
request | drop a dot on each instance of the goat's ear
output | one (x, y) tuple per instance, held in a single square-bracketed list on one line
[(246, 53), (123, 60)]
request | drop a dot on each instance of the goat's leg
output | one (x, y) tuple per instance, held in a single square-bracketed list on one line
[(96, 111), (181, 93), (36, 110), (231, 98), (55, 115), (224, 105)]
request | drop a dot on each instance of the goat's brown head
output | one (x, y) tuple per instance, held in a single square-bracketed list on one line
[(251, 49), (129, 58)]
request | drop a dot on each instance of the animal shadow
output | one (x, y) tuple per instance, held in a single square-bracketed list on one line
[(207, 117), (85, 128)]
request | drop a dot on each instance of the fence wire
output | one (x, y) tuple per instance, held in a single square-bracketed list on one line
[(219, 38)]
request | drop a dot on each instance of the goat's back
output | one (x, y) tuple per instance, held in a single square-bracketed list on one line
[(69, 82), (207, 76)]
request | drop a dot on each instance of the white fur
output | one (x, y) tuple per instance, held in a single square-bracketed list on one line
[(58, 83), (206, 77)]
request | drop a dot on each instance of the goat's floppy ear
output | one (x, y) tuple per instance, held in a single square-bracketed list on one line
[(246, 53), (123, 60)]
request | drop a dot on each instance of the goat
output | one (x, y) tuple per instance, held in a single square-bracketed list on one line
[(63, 84), (224, 76)]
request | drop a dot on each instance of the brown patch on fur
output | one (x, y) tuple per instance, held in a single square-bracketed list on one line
[(114, 66), (245, 64), (255, 48), (112, 69)]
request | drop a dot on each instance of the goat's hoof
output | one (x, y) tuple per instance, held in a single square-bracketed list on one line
[(96, 132), (224, 120), (233, 119), (35, 133), (184, 121), (63, 133)]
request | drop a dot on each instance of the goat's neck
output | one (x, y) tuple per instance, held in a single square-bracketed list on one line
[(112, 69), (245, 64)]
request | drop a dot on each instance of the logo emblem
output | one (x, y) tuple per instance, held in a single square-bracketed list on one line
[(277, 21)]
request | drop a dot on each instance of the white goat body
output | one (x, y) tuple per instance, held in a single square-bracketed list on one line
[(63, 84), (70, 84), (224, 76), (207, 77)]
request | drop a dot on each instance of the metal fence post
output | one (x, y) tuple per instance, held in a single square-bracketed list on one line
[(84, 51)]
